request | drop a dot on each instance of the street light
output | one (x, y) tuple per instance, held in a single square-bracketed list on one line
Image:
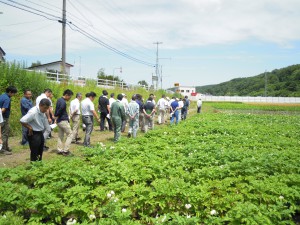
[(118, 68)]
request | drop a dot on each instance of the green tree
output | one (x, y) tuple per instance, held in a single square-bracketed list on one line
[(143, 83)]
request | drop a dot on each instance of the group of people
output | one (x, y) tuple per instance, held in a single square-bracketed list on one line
[(38, 120)]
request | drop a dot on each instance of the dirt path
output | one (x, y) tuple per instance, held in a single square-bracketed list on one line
[(21, 154)]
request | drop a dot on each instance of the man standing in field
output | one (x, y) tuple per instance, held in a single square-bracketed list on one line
[(162, 104), (199, 105), (35, 122), (125, 104), (5, 102), (26, 105), (133, 113), (117, 113), (47, 94), (88, 111), (63, 123), (75, 116), (103, 106), (149, 111)]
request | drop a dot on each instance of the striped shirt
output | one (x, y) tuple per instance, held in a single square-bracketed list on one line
[(133, 108)]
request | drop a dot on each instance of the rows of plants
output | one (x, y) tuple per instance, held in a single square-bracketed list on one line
[(211, 169), (255, 106)]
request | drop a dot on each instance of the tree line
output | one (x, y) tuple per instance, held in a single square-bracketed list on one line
[(284, 82)]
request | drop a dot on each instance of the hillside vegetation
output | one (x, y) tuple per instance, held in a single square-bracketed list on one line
[(284, 82), (14, 74)]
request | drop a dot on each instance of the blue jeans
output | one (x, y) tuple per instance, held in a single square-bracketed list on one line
[(175, 115)]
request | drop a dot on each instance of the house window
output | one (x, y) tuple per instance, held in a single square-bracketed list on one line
[(187, 91), (182, 91)]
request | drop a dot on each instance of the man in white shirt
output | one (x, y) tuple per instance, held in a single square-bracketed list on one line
[(35, 121), (180, 105), (88, 114), (125, 104), (162, 104), (112, 99), (199, 105), (75, 116), (47, 94)]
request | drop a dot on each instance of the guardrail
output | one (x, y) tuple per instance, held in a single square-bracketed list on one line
[(81, 81), (247, 99)]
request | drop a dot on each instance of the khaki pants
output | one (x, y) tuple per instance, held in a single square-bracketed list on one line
[(149, 123), (76, 122), (64, 127), (161, 116), (5, 133)]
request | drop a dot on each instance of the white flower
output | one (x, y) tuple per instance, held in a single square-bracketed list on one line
[(124, 210), (193, 132), (112, 147), (213, 212), (116, 199), (188, 216), (281, 197), (92, 217), (71, 221), (165, 132), (112, 192), (108, 195), (187, 206)]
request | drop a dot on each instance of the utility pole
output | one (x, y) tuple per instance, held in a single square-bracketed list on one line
[(63, 54), (156, 67)]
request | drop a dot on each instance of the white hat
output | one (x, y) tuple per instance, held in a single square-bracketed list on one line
[(167, 98), (123, 94)]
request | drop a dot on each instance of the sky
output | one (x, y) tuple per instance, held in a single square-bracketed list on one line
[(202, 42)]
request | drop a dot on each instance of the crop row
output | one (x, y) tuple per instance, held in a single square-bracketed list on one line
[(212, 169)]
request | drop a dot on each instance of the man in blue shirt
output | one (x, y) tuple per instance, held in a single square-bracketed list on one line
[(5, 107), (26, 105), (63, 123), (174, 111)]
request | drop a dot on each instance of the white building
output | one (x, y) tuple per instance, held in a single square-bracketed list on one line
[(185, 90), (52, 67)]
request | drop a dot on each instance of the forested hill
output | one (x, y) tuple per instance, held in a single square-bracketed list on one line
[(283, 82)]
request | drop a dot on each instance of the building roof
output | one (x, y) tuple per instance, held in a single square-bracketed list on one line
[(56, 62), (3, 52)]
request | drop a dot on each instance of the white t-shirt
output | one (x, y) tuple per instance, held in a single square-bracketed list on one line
[(75, 105), (125, 103), (111, 101), (162, 104), (199, 103), (42, 96), (86, 107), (180, 104)]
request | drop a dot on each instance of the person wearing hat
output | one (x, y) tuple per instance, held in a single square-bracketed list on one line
[(174, 111)]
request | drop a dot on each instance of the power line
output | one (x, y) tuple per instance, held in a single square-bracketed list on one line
[(33, 9), (108, 46), (27, 10), (77, 29), (116, 30)]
